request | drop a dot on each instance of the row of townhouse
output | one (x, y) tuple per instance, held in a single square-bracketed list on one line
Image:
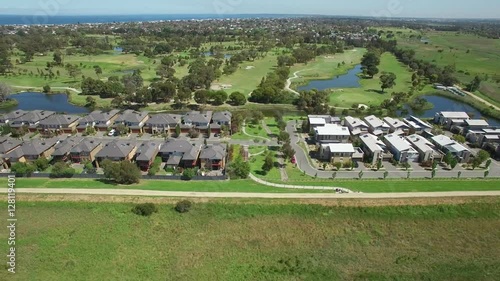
[(476, 131), (381, 139), (175, 153), (138, 122)]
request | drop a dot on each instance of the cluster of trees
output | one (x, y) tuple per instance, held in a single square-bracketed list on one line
[(370, 63), (211, 97), (202, 73), (271, 88), (313, 102), (123, 172)]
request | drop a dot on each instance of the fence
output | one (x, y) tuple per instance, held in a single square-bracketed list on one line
[(95, 176)]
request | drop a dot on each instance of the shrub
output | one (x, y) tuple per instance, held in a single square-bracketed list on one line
[(188, 174), (146, 209), (183, 206)]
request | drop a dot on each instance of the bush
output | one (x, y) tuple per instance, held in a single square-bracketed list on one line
[(62, 170), (188, 174), (183, 206), (146, 209)]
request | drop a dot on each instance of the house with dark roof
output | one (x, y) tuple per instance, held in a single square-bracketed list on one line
[(9, 117), (180, 153), (220, 119), (146, 154), (7, 145), (31, 120), (32, 150), (62, 149), (58, 123), (213, 157), (197, 120), (162, 123), (85, 151), (100, 120), (134, 120), (119, 150)]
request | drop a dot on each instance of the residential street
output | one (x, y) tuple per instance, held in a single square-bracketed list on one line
[(394, 173)]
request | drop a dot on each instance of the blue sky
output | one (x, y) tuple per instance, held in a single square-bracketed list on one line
[(384, 8)]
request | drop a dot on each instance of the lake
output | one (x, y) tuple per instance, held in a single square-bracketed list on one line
[(39, 101), (445, 104), (348, 80)]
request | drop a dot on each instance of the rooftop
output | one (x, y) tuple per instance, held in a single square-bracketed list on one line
[(454, 114), (395, 123), (420, 143), (442, 140), (339, 147), (213, 152), (372, 142), (375, 122), (148, 151), (117, 149), (398, 142), (332, 130), (477, 122)]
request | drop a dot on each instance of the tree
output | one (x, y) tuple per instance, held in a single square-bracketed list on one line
[(483, 155), (98, 71), (57, 58), (386, 174), (41, 164), (183, 206), (178, 130), (338, 165), (488, 164), (288, 152), (5, 91), (360, 175), (486, 173), (379, 164), (73, 70), (474, 84), (448, 158), (476, 163), (433, 173), (23, 169), (146, 209), (268, 163), (239, 169), (453, 163), (188, 174), (46, 89), (283, 137), (434, 165), (123, 172), (91, 102), (459, 174), (459, 138), (201, 96), (387, 80), (237, 99), (62, 170), (89, 168), (218, 98)]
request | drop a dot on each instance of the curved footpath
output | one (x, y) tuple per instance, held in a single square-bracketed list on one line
[(118, 192), (262, 182), (478, 98), (289, 82)]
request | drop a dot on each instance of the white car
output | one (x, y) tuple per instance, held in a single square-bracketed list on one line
[(112, 133)]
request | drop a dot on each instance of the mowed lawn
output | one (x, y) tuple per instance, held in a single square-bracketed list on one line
[(370, 92), (197, 186), (215, 241)]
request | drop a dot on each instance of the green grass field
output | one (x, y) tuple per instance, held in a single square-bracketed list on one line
[(224, 241), (472, 55), (370, 92)]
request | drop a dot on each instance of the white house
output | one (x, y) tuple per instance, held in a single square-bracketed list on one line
[(377, 126), (374, 148), (426, 150), (401, 149), (356, 126), (448, 145), (397, 126), (337, 152), (331, 133), (417, 126)]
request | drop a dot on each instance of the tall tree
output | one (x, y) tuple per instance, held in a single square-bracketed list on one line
[(387, 80), (5, 91)]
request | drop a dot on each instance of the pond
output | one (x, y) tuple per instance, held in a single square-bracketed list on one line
[(118, 50), (348, 80), (39, 101), (446, 104), (209, 54)]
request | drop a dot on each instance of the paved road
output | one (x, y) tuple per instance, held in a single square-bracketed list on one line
[(117, 192), (394, 173)]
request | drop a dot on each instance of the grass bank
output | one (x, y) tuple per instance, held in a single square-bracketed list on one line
[(221, 241)]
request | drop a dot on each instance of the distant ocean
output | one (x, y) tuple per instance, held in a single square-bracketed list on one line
[(30, 19)]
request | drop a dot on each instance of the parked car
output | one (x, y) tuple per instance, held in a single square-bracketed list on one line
[(112, 133)]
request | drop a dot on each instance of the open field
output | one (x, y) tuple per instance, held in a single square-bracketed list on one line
[(472, 55), (370, 92), (223, 241)]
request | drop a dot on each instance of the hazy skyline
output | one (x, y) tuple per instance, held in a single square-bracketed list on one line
[(372, 8)]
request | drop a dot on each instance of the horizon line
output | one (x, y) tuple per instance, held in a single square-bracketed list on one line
[(256, 14)]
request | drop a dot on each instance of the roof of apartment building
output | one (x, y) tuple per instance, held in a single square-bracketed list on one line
[(7, 144), (164, 119), (213, 152), (59, 120), (147, 151), (477, 122), (395, 123), (332, 130), (398, 142), (65, 146), (33, 117), (454, 114), (132, 116), (99, 116), (117, 149), (12, 115), (373, 143), (443, 140), (375, 122), (38, 146), (339, 147)]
